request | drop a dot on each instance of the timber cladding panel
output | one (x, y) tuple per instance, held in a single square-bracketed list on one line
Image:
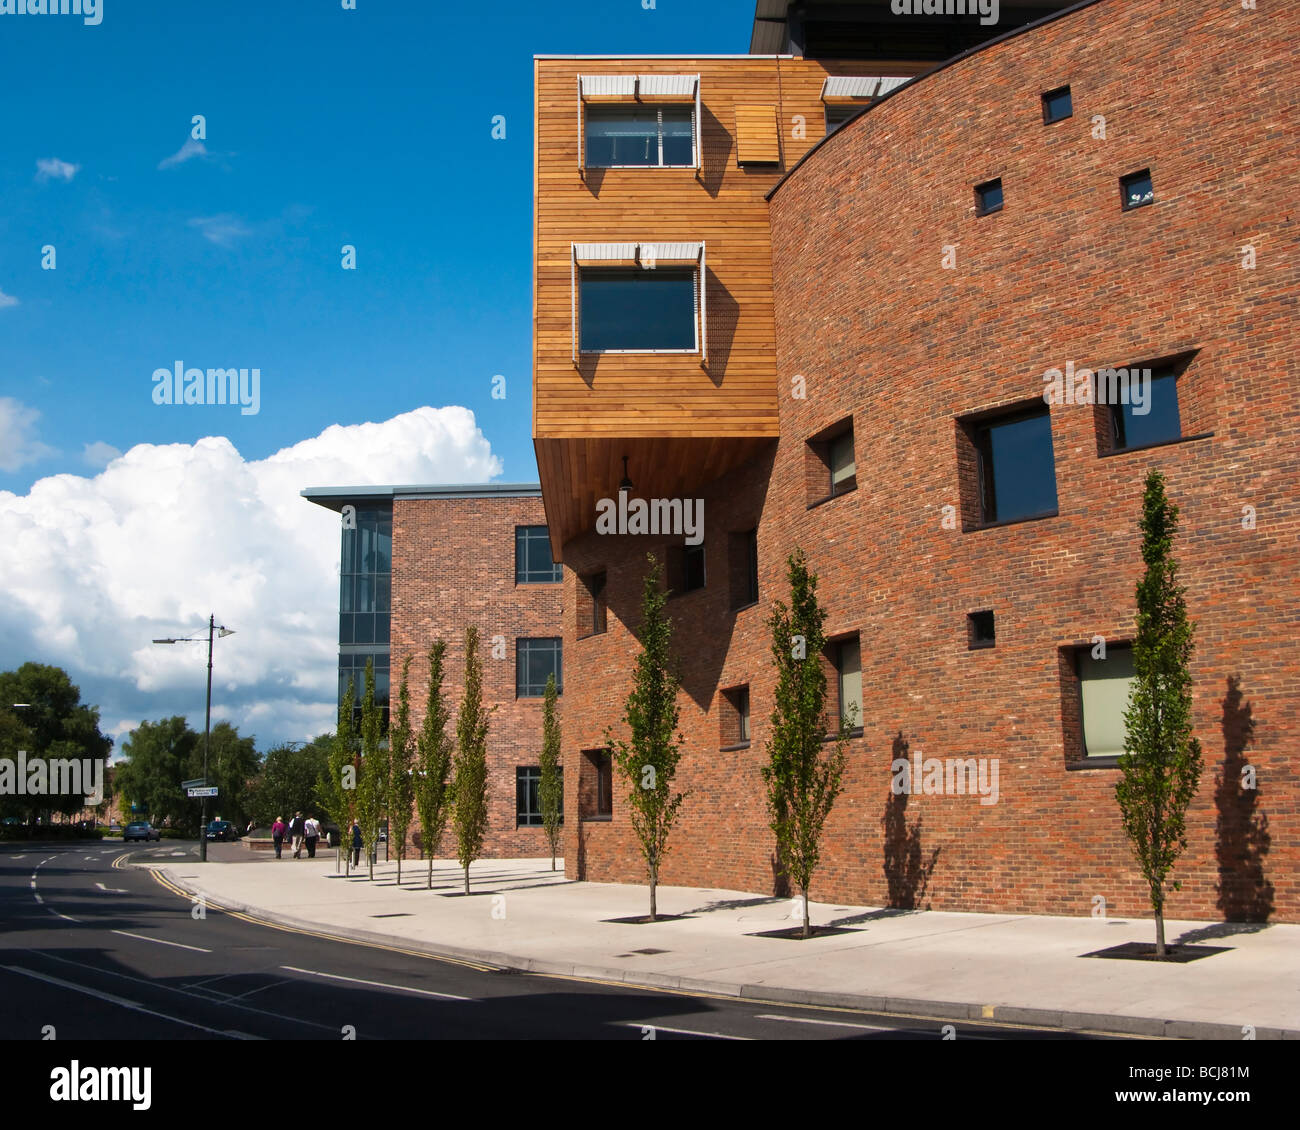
[(883, 333), (453, 566)]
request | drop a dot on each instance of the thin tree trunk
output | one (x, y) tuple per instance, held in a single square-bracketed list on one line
[(552, 859), (467, 878), (1160, 933), (807, 926), (654, 881), (430, 872)]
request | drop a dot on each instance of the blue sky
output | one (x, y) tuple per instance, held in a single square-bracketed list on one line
[(121, 519), (324, 126)]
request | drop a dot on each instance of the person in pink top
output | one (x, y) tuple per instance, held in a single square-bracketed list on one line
[(277, 835)]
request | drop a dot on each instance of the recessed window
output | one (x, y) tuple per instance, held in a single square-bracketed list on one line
[(837, 113), (1145, 411), (846, 656), (596, 785), (743, 565), (528, 797), (685, 568), (988, 197), (1136, 189), (843, 467), (592, 607), (734, 717), (831, 467), (979, 630), (640, 136), (1104, 687), (1057, 105), (638, 310), (1016, 467), (535, 661), (533, 564)]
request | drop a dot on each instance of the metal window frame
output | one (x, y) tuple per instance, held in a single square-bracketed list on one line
[(531, 535), (697, 141), (523, 650)]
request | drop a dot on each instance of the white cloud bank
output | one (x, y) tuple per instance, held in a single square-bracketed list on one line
[(95, 568)]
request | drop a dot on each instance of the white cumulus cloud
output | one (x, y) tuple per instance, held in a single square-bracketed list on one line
[(192, 148), (51, 168), (99, 454), (18, 443), (95, 568)]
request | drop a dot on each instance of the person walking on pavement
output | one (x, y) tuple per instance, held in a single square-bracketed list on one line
[(296, 832), (311, 833), (277, 835), (356, 844)]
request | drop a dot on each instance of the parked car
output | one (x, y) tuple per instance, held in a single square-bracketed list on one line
[(222, 830), (140, 830)]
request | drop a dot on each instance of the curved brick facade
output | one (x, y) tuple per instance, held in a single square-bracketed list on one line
[(883, 333)]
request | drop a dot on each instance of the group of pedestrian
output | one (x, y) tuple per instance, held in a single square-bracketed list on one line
[(300, 831)]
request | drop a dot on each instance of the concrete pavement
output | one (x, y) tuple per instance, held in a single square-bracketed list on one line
[(1009, 968)]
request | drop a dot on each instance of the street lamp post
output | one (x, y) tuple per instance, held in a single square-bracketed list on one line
[(222, 632)]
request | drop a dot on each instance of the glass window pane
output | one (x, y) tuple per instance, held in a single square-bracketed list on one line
[(383, 594), (851, 681), (365, 593), (363, 628), (1023, 467), (1155, 421), (619, 135), (842, 464), (1105, 685), (382, 623), (638, 309), (679, 136), (345, 592)]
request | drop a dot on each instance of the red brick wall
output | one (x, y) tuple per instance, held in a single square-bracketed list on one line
[(454, 565), (1203, 97)]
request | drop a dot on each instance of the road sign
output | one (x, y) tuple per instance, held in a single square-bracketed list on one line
[(197, 783), (209, 791)]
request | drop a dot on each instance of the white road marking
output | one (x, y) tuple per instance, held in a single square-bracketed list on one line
[(161, 941), (680, 1031), (89, 859), (17, 857), (66, 917), (829, 1023), (111, 890), (178, 853), (121, 1001), (40, 900), (376, 984)]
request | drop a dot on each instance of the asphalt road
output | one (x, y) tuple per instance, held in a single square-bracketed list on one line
[(92, 944)]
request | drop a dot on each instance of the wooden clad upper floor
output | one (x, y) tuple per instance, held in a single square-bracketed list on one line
[(677, 231)]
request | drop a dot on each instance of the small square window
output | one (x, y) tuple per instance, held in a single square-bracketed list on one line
[(633, 310), (988, 197), (528, 798), (979, 630), (1014, 468), (535, 661), (1138, 420), (685, 569), (1057, 105), (533, 564), (1136, 189)]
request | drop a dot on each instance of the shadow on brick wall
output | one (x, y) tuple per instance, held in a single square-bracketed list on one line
[(1242, 838), (907, 871)]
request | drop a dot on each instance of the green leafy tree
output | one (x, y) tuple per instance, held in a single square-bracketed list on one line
[(401, 787), (233, 767), (802, 776), (337, 786), (53, 723), (1161, 764), (291, 778), (550, 788), (372, 784), (158, 756), (432, 793), (469, 780), (648, 760)]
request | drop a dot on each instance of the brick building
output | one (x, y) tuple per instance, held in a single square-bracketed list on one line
[(423, 563), (823, 299)]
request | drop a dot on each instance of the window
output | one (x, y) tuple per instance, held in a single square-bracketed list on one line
[(592, 607), (979, 630), (1137, 189), (733, 717), (596, 786), (843, 469), (837, 113), (1104, 686), (638, 310), (533, 564), (988, 197), (640, 136), (1154, 419), (846, 655), (685, 568), (743, 567), (535, 661), (1017, 470), (528, 797), (1057, 105)]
